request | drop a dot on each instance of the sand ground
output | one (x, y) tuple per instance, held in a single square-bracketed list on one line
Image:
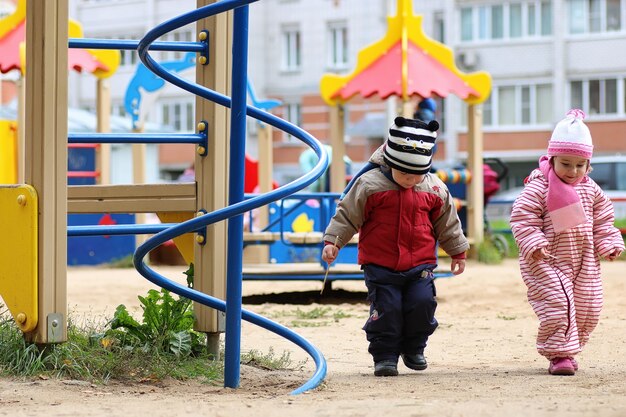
[(482, 360)]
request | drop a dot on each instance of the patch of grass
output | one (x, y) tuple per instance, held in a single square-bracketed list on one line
[(488, 253), (125, 262), (315, 313), (304, 323), (269, 360), (163, 344), (338, 315), (507, 318), (88, 356)]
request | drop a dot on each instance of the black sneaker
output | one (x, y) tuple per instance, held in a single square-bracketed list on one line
[(415, 361), (385, 368)]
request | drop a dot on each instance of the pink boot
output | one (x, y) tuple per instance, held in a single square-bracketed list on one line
[(561, 366), (574, 364)]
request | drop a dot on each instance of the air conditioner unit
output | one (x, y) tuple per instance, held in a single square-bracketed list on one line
[(467, 60)]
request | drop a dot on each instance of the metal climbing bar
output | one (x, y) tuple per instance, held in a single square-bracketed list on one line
[(118, 229), (123, 44), (232, 357), (194, 138)]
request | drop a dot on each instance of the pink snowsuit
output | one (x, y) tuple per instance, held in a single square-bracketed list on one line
[(566, 291)]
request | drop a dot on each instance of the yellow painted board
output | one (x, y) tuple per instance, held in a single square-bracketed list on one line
[(18, 253), (184, 243), (8, 152)]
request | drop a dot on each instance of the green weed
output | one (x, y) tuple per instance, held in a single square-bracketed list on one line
[(315, 313), (269, 360), (125, 262), (488, 253), (507, 318), (304, 323)]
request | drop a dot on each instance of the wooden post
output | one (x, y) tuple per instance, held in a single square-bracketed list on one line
[(408, 109), (46, 158), (103, 152), (337, 165), (212, 173), (475, 197), (261, 253), (139, 161), (21, 129), (139, 177)]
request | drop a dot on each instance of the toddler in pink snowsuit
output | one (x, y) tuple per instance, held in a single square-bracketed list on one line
[(563, 224)]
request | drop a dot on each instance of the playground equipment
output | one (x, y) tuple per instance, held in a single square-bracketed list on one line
[(406, 63), (87, 163), (142, 92), (48, 198), (101, 63)]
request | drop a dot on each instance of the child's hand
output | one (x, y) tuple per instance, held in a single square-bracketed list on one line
[(614, 255), (329, 254), (541, 255), (457, 266)]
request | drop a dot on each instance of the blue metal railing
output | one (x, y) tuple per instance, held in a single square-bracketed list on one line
[(237, 204), (193, 138)]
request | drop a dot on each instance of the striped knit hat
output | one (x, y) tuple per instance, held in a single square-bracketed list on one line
[(571, 137), (410, 144)]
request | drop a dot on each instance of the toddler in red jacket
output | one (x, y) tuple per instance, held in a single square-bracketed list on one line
[(401, 212)]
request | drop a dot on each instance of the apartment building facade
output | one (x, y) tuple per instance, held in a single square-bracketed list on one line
[(544, 56)]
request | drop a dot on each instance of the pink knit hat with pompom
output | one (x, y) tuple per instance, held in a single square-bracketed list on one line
[(571, 137)]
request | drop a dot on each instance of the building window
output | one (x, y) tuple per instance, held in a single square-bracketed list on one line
[(519, 105), (180, 36), (595, 16), (179, 115), (515, 20), (118, 109), (497, 22), (337, 45), (293, 114), (466, 24), (595, 96), (291, 49), (506, 21), (129, 57), (439, 27), (526, 105), (546, 18), (543, 100), (487, 111), (506, 106)]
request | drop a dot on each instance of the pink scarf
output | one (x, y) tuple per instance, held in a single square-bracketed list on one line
[(564, 206)]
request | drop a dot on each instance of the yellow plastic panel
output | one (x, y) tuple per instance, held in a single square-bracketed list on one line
[(8, 152), (184, 243), (18, 253)]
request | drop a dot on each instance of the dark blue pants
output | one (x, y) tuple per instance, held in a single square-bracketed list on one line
[(402, 310)]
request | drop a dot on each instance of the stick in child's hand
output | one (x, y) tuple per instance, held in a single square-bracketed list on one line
[(327, 269)]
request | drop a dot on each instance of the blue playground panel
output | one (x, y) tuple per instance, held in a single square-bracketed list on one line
[(81, 159), (95, 250), (320, 212)]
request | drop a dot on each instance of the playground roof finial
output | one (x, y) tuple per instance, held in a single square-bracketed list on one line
[(405, 63)]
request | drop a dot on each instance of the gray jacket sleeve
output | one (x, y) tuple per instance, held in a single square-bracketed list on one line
[(447, 226), (349, 215)]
